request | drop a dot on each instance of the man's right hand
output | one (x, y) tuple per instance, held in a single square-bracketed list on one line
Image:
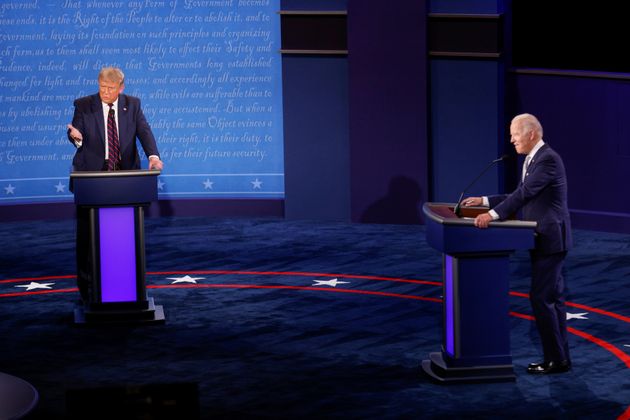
[(483, 220), (74, 133)]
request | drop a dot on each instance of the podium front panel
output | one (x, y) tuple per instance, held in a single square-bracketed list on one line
[(476, 307), (117, 237)]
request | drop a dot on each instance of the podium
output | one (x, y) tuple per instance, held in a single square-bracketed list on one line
[(476, 330), (115, 202)]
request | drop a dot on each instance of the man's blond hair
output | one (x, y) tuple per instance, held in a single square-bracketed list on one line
[(112, 74)]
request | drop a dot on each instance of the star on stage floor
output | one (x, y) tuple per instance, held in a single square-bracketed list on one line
[(185, 279), (577, 316), (34, 285), (334, 282)]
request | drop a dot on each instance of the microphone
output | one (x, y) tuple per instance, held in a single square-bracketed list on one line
[(459, 200)]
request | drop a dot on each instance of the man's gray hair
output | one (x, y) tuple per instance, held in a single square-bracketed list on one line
[(528, 122)]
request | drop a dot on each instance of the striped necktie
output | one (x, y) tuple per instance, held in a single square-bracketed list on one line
[(112, 140), (525, 166)]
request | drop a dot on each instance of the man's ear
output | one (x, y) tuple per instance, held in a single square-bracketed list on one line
[(532, 135)]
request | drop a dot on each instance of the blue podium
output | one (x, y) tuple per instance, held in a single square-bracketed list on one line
[(115, 201), (476, 330)]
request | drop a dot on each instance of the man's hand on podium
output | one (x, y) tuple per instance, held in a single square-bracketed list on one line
[(472, 201), (483, 220), (155, 163)]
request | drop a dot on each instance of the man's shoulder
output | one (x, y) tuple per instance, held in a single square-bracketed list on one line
[(129, 100), (86, 100), (547, 152), (548, 157)]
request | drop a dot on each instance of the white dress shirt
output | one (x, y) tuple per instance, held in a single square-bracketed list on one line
[(105, 116)]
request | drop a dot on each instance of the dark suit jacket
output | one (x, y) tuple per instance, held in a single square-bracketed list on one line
[(88, 119), (541, 197)]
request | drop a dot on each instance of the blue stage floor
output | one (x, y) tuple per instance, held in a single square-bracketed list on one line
[(268, 318)]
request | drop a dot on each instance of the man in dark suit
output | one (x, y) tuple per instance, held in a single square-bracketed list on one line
[(541, 196), (104, 130), (88, 131)]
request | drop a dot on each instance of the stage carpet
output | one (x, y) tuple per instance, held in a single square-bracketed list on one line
[(275, 319)]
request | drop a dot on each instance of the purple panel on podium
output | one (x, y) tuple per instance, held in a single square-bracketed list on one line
[(449, 320), (118, 254)]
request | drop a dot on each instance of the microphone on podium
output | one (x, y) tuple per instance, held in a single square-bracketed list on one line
[(459, 200)]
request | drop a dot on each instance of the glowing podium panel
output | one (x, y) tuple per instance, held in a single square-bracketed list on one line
[(476, 329), (116, 202)]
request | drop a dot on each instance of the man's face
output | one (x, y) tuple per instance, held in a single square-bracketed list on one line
[(523, 141), (109, 91)]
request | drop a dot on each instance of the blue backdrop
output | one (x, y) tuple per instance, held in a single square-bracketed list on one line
[(208, 74)]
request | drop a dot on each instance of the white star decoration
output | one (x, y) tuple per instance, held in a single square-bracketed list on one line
[(577, 316), (60, 187), (9, 189), (160, 185), (256, 184), (185, 279), (334, 282), (34, 285), (207, 184)]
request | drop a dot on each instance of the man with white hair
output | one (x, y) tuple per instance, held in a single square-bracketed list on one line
[(541, 196)]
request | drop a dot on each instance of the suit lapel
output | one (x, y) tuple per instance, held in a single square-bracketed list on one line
[(122, 122), (534, 160), (537, 156), (97, 109)]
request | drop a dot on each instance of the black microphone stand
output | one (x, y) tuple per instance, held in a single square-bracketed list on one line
[(458, 205)]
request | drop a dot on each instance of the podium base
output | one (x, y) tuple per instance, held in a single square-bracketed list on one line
[(142, 313), (438, 370)]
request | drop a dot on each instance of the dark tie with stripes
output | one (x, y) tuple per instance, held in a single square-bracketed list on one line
[(112, 141)]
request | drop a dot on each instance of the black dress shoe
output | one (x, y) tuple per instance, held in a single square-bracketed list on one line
[(544, 368), (535, 365)]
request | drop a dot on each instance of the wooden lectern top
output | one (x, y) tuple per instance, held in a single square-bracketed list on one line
[(444, 213)]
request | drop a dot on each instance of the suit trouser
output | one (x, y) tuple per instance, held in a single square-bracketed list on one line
[(547, 300)]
